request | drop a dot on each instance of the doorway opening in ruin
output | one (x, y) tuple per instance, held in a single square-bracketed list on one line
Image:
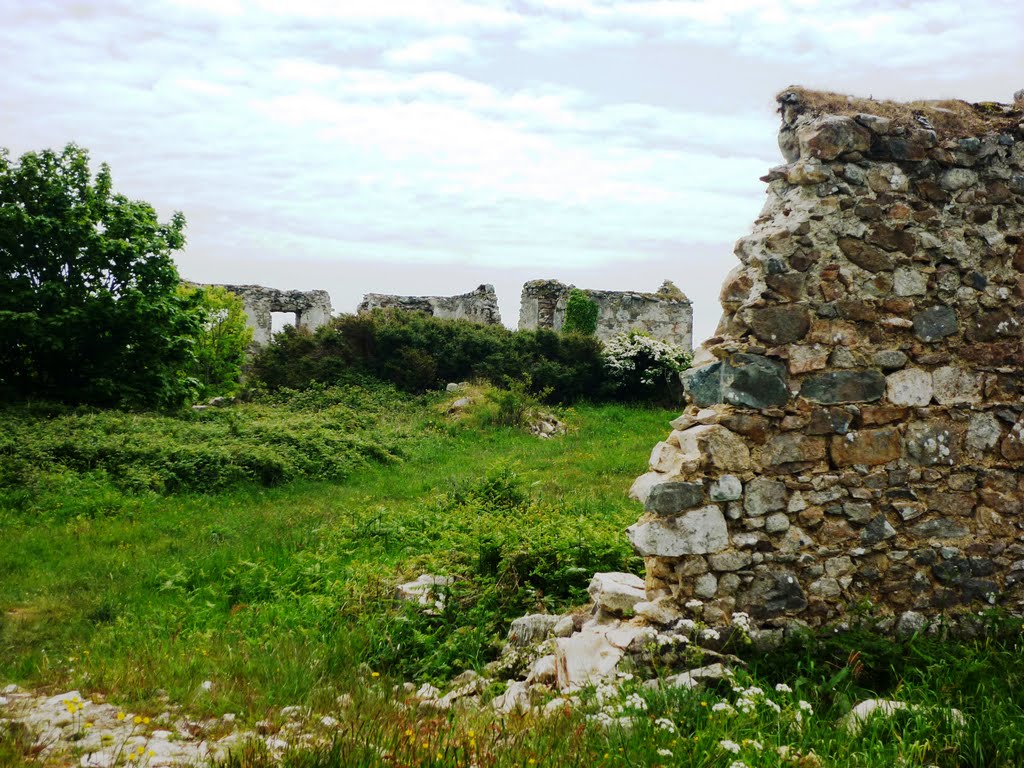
[(278, 320)]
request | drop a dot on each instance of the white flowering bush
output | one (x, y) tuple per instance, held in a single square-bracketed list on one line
[(643, 367)]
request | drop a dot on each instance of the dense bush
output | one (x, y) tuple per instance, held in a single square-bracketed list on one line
[(318, 433), (417, 352), (645, 368)]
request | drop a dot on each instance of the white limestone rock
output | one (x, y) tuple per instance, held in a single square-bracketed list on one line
[(697, 532)]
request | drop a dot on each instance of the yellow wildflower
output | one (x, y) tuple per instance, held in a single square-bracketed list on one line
[(120, 715)]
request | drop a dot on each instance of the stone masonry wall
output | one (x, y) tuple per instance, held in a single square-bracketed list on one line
[(855, 430), (480, 306), (312, 308), (666, 314)]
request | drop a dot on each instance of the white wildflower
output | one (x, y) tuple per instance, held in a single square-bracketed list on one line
[(665, 752), (753, 744), (664, 724), (783, 688), (723, 706), (772, 705), (737, 764), (806, 706), (636, 701), (694, 604), (729, 746), (741, 621), (710, 634), (687, 625)]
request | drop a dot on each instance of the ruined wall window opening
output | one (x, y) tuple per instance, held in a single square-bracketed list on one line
[(278, 320)]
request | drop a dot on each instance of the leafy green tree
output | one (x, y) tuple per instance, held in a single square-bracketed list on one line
[(89, 305), (220, 348), (580, 313)]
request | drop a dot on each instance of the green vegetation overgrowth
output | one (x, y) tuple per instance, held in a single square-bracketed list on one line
[(416, 353), (283, 593)]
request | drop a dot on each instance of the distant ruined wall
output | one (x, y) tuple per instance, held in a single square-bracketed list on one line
[(479, 306), (312, 308), (855, 429), (666, 314)]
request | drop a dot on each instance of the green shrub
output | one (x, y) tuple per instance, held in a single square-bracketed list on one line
[(416, 352), (645, 368), (580, 314)]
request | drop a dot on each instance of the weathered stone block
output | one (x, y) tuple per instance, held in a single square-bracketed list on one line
[(703, 385), (844, 387), (779, 324), (772, 594), (876, 531), (718, 447), (935, 323), (726, 488), (754, 381), (763, 496), (866, 446), (911, 386), (865, 256), (673, 497), (694, 533), (826, 138), (793, 448), (952, 385)]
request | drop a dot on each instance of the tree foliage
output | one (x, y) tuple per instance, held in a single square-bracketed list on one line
[(580, 313), (220, 348), (89, 303)]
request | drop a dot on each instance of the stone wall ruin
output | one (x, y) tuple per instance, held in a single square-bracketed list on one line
[(666, 314), (311, 308), (479, 306), (855, 429)]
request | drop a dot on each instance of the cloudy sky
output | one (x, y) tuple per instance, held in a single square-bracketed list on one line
[(428, 146)]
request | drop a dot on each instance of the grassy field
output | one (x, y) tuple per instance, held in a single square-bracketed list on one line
[(258, 547)]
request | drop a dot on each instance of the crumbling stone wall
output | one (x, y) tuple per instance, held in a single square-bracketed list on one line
[(312, 308), (855, 429), (480, 306), (666, 314)]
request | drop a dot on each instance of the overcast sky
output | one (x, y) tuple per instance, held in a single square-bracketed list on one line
[(428, 146)]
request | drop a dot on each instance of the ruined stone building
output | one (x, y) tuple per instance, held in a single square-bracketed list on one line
[(311, 308), (855, 428), (666, 314), (479, 306)]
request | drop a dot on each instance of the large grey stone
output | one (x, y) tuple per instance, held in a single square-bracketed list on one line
[(935, 323), (703, 385), (754, 381), (670, 498), (617, 593), (844, 387), (771, 594), (941, 528), (889, 359), (954, 385), (779, 324), (911, 386), (876, 531), (764, 495), (726, 488), (698, 532), (532, 628), (907, 281), (830, 136)]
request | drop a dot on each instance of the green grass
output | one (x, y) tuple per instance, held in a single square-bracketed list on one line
[(280, 590), (280, 594)]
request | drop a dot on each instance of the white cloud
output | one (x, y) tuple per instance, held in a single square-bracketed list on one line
[(431, 50)]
